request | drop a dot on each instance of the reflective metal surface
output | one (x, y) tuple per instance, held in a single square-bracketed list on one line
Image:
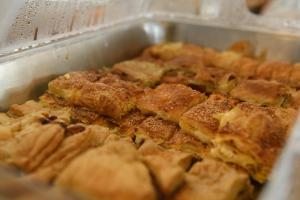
[(25, 75)]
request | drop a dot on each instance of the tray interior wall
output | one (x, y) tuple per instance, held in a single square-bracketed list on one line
[(25, 75)]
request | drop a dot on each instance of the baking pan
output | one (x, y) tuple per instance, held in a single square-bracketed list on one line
[(24, 75)]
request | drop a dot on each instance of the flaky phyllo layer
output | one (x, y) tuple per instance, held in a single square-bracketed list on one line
[(180, 121)]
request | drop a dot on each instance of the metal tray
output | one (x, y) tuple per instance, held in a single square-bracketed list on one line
[(24, 75)]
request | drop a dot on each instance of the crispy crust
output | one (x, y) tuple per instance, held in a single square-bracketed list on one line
[(71, 147), (116, 161), (158, 130), (108, 96), (245, 67), (188, 143), (294, 79), (167, 166), (226, 59), (261, 92), (202, 121), (242, 47), (274, 70), (211, 179), (168, 51), (252, 136), (143, 72), (169, 101)]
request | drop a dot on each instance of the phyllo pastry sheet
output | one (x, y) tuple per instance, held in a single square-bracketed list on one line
[(261, 92), (210, 179), (169, 101), (143, 72), (202, 120), (107, 95), (252, 136)]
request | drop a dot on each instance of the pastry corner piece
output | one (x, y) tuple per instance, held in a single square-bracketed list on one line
[(112, 171), (261, 92), (253, 136), (169, 101), (144, 73), (202, 121), (211, 179), (107, 95)]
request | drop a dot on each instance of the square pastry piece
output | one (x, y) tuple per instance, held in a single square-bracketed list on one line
[(261, 92), (142, 72), (252, 136), (158, 130), (202, 121), (210, 179), (106, 95), (169, 101)]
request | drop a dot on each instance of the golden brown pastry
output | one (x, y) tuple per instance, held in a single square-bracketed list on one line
[(261, 92), (142, 72), (294, 79), (187, 143), (226, 59), (294, 100), (168, 51), (117, 174), (242, 47), (178, 76), (108, 96), (129, 122), (252, 136), (31, 146), (71, 147), (167, 166), (201, 121), (169, 101), (245, 67), (274, 70), (210, 179), (24, 109), (158, 130)]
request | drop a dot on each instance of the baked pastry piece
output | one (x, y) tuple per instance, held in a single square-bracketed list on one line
[(252, 136), (242, 47), (28, 148), (71, 147), (210, 179), (28, 107), (294, 100), (143, 72), (117, 174), (167, 166), (179, 76), (274, 70), (108, 96), (201, 121), (294, 79), (245, 67), (168, 51), (158, 130), (169, 101), (261, 92), (226, 59), (129, 122), (187, 143)]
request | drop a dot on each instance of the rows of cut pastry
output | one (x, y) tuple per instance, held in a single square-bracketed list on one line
[(239, 58), (213, 119), (246, 134), (49, 149), (106, 94), (235, 71)]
